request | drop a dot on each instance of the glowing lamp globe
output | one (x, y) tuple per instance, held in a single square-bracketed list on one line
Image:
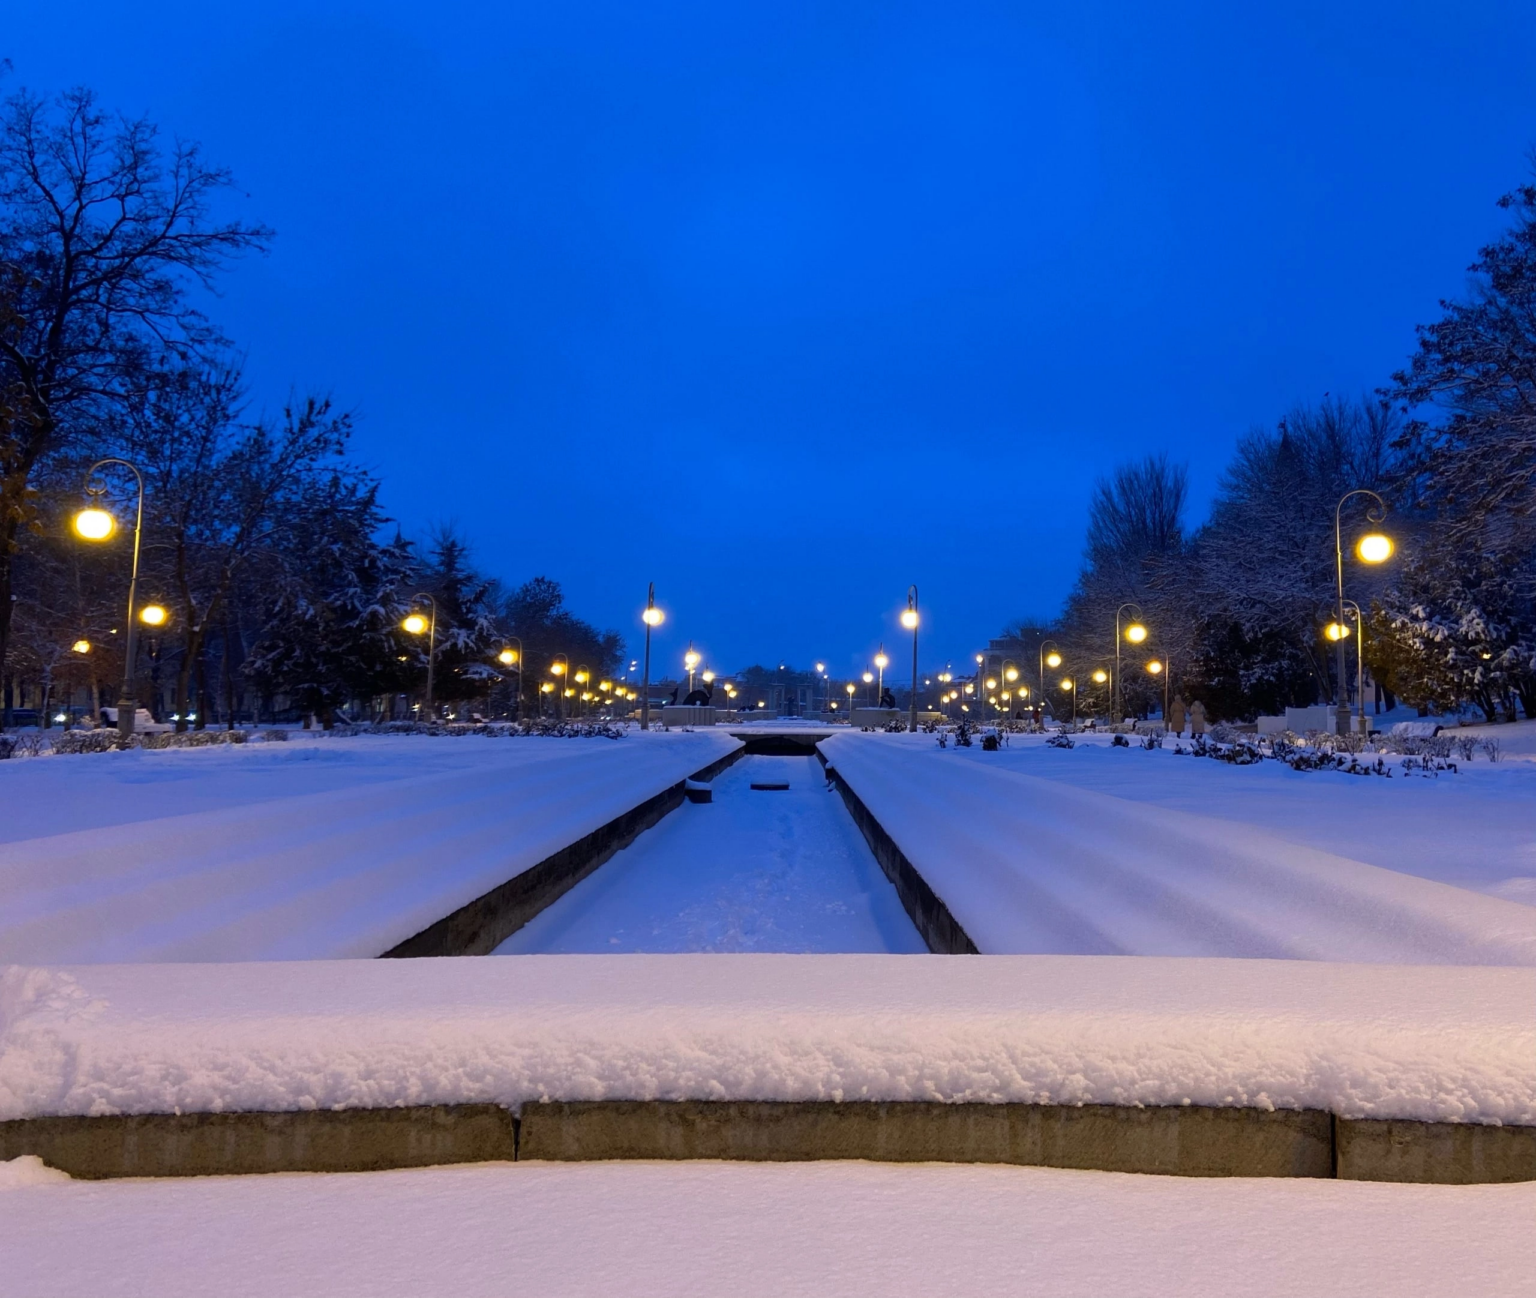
[(1373, 547), (1053, 660), (909, 619), (1336, 631), (507, 657), (1154, 667), (1100, 676), (1067, 684), (153, 615), (1011, 673), (1135, 633), (881, 661), (81, 646), (415, 624), (652, 616), (95, 524)]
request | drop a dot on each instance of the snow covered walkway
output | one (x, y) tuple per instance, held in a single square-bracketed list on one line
[(345, 872), (645, 1229), (750, 871), (1032, 865)]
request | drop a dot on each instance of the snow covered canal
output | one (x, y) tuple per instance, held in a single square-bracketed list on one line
[(753, 870)]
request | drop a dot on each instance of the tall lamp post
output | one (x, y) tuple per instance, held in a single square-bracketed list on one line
[(1161, 667), (93, 523), (1051, 660), (416, 624), (560, 668), (1135, 633), (652, 616), (881, 663), (909, 620), (510, 657), (1010, 674), (690, 661), (1373, 547), (1071, 684)]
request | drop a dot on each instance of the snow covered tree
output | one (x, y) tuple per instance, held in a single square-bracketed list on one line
[(332, 632)]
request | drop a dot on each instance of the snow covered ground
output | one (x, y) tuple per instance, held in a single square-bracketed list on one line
[(1427, 1042), (749, 871), (332, 847), (1474, 829), (708, 1229), (1027, 864)]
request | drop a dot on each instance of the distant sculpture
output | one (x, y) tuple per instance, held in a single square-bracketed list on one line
[(1176, 714), (887, 699), (699, 698), (1197, 718), (672, 698)]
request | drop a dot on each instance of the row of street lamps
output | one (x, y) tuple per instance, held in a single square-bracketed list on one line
[(95, 523)]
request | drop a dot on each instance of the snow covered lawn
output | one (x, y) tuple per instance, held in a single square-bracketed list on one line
[(1436, 1043), (326, 848), (709, 1229), (1031, 864), (749, 871), (1474, 829)]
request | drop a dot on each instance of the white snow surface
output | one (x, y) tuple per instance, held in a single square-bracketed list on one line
[(379, 854), (710, 1229), (751, 870), (1428, 1042), (1027, 864)]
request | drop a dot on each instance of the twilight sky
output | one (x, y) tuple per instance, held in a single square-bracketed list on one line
[(786, 306)]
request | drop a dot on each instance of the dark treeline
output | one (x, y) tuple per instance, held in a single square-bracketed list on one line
[(284, 583), (1239, 605)]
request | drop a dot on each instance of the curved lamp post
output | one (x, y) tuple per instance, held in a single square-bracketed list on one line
[(1051, 660), (652, 616), (881, 663), (909, 620), (1135, 633), (1070, 683), (560, 668), (1009, 671), (510, 657), (93, 523), (1373, 547), (416, 624)]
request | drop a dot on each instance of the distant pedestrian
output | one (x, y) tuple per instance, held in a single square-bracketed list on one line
[(1197, 718), (1176, 714)]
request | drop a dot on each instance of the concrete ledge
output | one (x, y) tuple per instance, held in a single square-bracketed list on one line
[(222, 1144), (1173, 1140), (1179, 1141), (480, 926), (1445, 1153), (939, 929)]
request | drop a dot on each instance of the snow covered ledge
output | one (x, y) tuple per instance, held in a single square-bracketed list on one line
[(334, 1038)]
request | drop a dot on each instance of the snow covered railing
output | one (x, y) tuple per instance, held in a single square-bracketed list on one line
[(1264, 1065)]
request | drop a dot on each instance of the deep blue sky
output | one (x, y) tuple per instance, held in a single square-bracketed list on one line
[(903, 280)]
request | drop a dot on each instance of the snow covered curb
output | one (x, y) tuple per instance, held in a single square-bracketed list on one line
[(1426, 1043)]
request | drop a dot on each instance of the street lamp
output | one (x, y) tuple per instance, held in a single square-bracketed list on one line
[(869, 679), (1360, 658), (852, 689), (1135, 633), (153, 615), (652, 616), (690, 661), (1157, 668), (1373, 547), (909, 619), (416, 624), (560, 666), (510, 657), (582, 677), (1010, 674), (1070, 684), (93, 523)]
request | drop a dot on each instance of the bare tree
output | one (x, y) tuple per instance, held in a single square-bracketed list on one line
[(102, 233)]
